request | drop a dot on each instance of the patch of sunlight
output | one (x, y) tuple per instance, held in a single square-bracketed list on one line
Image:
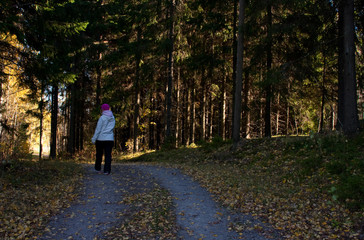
[(128, 156)]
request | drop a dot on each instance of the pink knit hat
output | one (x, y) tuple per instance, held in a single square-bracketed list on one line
[(105, 107)]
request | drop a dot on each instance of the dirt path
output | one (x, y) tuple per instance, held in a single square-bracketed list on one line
[(198, 216)]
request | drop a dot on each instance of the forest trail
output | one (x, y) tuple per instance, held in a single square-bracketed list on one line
[(198, 216)]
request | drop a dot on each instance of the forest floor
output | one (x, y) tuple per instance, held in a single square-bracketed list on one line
[(281, 188)]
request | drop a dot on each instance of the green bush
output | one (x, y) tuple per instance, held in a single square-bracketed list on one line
[(351, 191)]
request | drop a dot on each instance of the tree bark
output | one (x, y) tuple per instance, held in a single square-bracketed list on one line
[(268, 88), (235, 46), (178, 111), (347, 106), (188, 116), (323, 96), (222, 111), (287, 111), (152, 123), (54, 120), (98, 84), (41, 108), (245, 109), (211, 116), (278, 114), (137, 94), (170, 71), (239, 79), (193, 113), (72, 121), (203, 106)]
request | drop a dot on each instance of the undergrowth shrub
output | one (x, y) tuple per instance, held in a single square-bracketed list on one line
[(338, 157), (344, 161)]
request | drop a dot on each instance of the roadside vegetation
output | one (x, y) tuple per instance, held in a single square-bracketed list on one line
[(309, 187), (31, 192)]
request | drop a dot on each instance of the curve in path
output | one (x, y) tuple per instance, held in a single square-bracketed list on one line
[(198, 215)]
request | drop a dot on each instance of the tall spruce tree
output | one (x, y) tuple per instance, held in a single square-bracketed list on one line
[(347, 101)]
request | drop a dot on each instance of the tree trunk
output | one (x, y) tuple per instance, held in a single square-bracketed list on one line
[(192, 120), (41, 107), (54, 120), (81, 112), (268, 88), (222, 111), (235, 46), (323, 96), (152, 123), (137, 95), (72, 121), (170, 71), (347, 106), (178, 112), (98, 84), (211, 117), (278, 113), (188, 116), (245, 109), (239, 79), (203, 106)]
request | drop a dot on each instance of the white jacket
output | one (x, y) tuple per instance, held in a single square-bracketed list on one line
[(105, 127)]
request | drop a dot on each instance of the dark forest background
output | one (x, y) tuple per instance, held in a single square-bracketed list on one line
[(174, 73)]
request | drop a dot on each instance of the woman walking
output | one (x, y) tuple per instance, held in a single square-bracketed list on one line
[(104, 138)]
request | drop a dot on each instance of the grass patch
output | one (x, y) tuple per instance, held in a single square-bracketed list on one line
[(31, 192), (310, 187)]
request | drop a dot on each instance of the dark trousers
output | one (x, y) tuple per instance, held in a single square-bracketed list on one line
[(104, 147)]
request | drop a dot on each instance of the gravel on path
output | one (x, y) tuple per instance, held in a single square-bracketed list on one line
[(199, 216), (100, 207)]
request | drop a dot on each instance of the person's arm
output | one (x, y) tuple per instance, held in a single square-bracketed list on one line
[(97, 130)]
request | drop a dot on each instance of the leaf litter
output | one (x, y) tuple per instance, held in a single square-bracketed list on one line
[(274, 180)]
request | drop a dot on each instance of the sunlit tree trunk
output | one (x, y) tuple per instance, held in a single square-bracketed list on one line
[(245, 109), (152, 123), (211, 116), (287, 111), (203, 105), (278, 113), (188, 116), (137, 95), (248, 122), (193, 113), (178, 112), (222, 110), (323, 96), (41, 109)]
